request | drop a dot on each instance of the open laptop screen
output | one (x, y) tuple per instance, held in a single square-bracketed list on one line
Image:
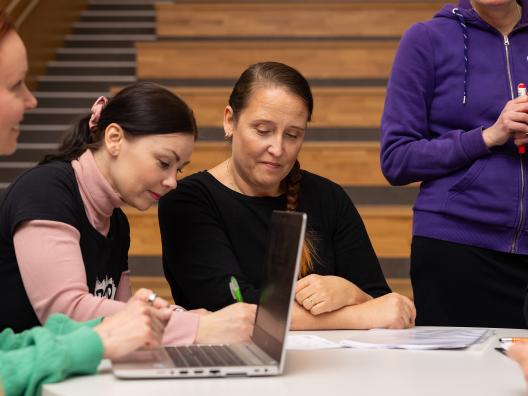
[(284, 253)]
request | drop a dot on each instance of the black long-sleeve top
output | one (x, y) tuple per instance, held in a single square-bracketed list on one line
[(210, 233)]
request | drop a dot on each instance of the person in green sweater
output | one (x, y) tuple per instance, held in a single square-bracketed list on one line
[(62, 347)]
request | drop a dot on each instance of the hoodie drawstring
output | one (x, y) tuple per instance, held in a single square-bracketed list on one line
[(466, 45)]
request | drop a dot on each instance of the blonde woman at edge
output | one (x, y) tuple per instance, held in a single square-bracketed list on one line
[(62, 347)]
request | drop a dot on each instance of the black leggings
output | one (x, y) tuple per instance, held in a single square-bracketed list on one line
[(460, 285)]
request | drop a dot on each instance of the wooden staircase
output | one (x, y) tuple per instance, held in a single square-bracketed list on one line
[(198, 49)]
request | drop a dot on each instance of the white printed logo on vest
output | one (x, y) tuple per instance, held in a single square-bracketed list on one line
[(105, 288)]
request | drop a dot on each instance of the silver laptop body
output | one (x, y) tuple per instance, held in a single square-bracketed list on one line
[(265, 354)]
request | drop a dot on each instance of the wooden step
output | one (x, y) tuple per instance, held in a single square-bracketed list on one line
[(333, 106), (401, 286), (389, 228), (156, 283), (162, 288), (227, 59), (346, 163), (289, 19)]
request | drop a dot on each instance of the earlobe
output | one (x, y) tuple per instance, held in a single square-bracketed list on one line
[(114, 136), (228, 122)]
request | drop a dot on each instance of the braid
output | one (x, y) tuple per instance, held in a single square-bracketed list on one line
[(293, 189)]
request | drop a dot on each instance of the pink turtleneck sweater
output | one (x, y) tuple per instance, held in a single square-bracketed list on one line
[(50, 261)]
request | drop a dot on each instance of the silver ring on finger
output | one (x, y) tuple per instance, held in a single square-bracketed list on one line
[(152, 296)]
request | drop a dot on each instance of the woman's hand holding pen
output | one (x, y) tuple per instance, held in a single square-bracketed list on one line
[(320, 294), (512, 122), (233, 323)]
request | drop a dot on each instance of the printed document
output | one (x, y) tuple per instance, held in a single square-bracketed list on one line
[(418, 338)]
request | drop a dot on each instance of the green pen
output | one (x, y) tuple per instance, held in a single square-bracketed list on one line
[(235, 290)]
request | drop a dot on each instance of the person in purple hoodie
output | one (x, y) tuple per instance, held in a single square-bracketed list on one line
[(452, 121)]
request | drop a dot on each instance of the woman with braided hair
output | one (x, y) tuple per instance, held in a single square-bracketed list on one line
[(216, 224)]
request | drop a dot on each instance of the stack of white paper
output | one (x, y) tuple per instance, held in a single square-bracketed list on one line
[(418, 338)]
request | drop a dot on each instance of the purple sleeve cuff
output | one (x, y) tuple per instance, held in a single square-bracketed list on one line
[(473, 144)]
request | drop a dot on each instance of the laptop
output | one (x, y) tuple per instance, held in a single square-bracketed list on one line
[(265, 354)]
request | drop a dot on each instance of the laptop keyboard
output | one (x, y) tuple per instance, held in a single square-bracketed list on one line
[(204, 356)]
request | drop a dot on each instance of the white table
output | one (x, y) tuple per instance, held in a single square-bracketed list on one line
[(337, 372)]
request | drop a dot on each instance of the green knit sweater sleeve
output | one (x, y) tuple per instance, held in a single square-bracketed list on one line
[(48, 354), (57, 324)]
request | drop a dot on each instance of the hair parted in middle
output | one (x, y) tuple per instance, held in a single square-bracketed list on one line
[(278, 75)]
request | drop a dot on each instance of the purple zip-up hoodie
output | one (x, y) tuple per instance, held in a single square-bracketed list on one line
[(450, 80)]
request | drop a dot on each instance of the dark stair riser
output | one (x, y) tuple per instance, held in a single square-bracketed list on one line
[(313, 134), (26, 155), (96, 57), (55, 119), (118, 7), (91, 71), (152, 266), (382, 195), (111, 18), (95, 31), (99, 44), (7, 175), (81, 103), (43, 136), (78, 86)]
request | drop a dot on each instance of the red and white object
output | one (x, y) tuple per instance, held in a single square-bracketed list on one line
[(521, 91)]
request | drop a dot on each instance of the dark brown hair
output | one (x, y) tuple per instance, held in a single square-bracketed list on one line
[(5, 24), (275, 74), (141, 109)]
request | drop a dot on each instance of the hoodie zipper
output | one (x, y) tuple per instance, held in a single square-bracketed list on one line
[(518, 229)]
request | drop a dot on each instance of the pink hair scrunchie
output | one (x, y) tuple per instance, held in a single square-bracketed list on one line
[(96, 110)]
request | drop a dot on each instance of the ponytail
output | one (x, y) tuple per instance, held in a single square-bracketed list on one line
[(141, 109), (75, 143)]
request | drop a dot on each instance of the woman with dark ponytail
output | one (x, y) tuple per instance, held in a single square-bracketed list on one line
[(64, 239), (216, 224)]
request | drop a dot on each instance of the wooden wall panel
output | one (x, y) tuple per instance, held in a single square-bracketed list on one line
[(333, 106), (346, 163), (401, 286), (289, 19), (227, 59), (389, 228), (43, 31), (155, 283)]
